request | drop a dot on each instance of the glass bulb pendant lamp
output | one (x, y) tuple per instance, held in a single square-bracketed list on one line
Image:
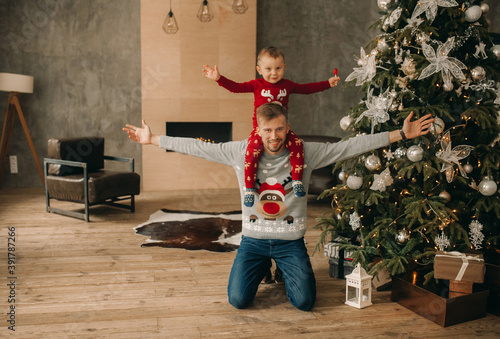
[(205, 12), (170, 24), (240, 6)]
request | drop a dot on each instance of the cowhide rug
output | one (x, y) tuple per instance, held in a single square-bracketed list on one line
[(192, 230)]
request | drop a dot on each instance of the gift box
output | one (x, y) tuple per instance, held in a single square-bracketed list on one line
[(382, 280), (332, 250), (433, 301), (339, 268), (459, 288), (458, 266)]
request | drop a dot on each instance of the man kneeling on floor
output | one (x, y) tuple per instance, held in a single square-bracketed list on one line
[(274, 227)]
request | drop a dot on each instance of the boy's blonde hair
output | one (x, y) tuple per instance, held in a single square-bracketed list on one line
[(272, 51)]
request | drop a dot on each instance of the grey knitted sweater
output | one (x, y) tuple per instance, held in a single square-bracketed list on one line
[(277, 212)]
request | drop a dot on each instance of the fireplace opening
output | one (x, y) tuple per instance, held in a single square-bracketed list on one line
[(213, 132)]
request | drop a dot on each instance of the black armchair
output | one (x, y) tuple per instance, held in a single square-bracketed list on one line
[(322, 178), (74, 172)]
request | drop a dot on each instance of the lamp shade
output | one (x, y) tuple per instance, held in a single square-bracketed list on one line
[(10, 82)]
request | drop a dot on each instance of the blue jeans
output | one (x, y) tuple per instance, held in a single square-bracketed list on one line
[(253, 261)]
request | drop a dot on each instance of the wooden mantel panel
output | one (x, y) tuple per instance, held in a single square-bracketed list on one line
[(174, 89)]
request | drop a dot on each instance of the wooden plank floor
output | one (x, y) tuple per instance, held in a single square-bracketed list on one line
[(93, 280)]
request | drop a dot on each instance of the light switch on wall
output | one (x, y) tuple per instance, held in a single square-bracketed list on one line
[(13, 164)]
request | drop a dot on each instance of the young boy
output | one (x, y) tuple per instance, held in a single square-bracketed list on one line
[(271, 88)]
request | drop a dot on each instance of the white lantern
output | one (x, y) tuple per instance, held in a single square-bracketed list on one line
[(358, 288)]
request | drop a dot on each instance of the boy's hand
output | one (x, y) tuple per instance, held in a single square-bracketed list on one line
[(211, 73), (335, 79)]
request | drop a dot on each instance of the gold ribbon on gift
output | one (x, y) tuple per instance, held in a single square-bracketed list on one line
[(465, 261)]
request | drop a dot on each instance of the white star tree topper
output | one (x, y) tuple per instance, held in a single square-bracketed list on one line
[(441, 62)]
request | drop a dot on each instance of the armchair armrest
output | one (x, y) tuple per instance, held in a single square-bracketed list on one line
[(64, 162), (121, 159)]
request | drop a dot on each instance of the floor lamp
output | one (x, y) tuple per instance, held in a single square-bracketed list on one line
[(15, 84)]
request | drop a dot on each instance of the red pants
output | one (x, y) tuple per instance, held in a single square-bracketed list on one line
[(254, 151)]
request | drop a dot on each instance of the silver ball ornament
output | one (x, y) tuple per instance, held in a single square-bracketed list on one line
[(415, 153), (382, 45), (354, 182), (478, 73), (437, 126), (487, 187), (468, 168), (448, 86), (345, 122), (400, 152), (372, 162), (496, 51), (473, 13), (445, 195), (342, 175), (402, 236), (383, 4), (485, 8)]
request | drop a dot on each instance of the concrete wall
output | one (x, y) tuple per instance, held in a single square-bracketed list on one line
[(316, 37), (84, 56)]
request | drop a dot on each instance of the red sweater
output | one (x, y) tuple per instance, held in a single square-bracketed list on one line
[(265, 92)]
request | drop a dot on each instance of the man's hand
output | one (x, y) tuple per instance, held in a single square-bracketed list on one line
[(413, 129), (211, 73), (141, 135)]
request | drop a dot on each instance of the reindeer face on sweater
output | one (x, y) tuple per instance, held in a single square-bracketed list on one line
[(271, 204)]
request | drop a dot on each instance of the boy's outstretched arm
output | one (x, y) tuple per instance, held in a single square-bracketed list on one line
[(211, 73)]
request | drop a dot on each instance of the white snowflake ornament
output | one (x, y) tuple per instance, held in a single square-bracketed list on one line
[(355, 221), (442, 241), (476, 236)]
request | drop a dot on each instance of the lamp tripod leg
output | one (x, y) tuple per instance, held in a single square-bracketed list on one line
[(27, 133), (8, 125)]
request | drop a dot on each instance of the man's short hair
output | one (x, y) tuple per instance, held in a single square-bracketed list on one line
[(272, 51), (271, 110)]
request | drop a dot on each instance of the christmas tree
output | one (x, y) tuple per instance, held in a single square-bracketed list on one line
[(438, 191)]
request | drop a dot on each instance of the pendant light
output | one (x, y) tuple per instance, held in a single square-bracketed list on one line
[(205, 12), (240, 6), (170, 24)]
